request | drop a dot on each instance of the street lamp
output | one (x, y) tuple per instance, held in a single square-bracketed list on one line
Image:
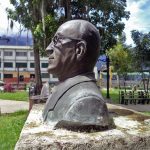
[(107, 61), (108, 75), (18, 76)]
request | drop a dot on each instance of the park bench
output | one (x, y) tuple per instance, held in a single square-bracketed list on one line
[(132, 97)]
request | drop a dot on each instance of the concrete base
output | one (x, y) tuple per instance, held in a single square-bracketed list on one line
[(132, 132)]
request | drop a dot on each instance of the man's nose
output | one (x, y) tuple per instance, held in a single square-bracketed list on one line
[(50, 49)]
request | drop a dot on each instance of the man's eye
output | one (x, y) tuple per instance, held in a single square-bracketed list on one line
[(55, 40)]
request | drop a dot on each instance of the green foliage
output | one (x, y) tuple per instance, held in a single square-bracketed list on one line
[(141, 51), (21, 13), (51, 26), (105, 15), (28, 13), (18, 96), (38, 32), (120, 59), (10, 128)]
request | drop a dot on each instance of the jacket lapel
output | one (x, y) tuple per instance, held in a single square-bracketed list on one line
[(61, 89)]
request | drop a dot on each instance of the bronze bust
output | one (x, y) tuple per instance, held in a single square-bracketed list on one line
[(76, 103)]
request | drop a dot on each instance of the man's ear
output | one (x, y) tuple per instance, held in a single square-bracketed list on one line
[(80, 50)]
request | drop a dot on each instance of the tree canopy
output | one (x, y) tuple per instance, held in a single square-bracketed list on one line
[(120, 58), (141, 51), (105, 15)]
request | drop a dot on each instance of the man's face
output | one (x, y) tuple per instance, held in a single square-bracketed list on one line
[(61, 53)]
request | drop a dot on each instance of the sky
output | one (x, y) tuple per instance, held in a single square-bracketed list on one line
[(3, 19), (139, 18)]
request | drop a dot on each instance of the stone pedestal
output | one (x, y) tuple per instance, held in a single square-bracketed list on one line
[(132, 132)]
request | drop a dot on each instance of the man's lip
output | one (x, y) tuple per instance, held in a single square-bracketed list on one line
[(51, 57), (50, 60)]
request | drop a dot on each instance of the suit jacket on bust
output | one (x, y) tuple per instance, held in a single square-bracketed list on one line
[(77, 100)]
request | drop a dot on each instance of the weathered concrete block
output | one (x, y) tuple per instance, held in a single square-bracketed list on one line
[(132, 132)]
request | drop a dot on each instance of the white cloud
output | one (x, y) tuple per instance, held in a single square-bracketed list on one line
[(139, 17), (4, 21)]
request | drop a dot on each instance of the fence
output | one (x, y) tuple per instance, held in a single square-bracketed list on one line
[(131, 97)]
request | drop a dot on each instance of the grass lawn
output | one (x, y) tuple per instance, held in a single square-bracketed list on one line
[(10, 128), (114, 95), (18, 96), (147, 113)]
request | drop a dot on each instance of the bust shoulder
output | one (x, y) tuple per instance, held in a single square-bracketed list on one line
[(88, 111)]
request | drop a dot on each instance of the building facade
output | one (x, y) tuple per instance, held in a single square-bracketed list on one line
[(17, 64)]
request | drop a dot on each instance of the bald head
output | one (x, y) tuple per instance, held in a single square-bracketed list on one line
[(74, 49), (88, 32)]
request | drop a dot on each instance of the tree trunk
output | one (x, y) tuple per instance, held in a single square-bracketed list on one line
[(67, 6), (125, 82), (38, 80), (118, 81), (43, 14), (36, 14)]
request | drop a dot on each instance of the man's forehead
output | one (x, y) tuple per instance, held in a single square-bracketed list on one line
[(69, 29)]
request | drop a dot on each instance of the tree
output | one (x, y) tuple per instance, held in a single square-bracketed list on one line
[(120, 58), (141, 51), (105, 15), (32, 15), (141, 55)]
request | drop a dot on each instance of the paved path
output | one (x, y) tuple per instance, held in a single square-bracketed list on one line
[(9, 106), (140, 108), (137, 107)]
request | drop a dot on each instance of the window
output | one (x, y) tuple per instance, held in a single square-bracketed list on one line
[(45, 75), (31, 65), (21, 53), (8, 64), (31, 54), (21, 78), (8, 53), (21, 65), (44, 65), (8, 75), (0, 64), (32, 75)]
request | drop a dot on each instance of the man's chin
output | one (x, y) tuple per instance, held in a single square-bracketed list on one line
[(53, 71)]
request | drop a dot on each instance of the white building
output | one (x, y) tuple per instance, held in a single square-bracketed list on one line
[(17, 62)]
